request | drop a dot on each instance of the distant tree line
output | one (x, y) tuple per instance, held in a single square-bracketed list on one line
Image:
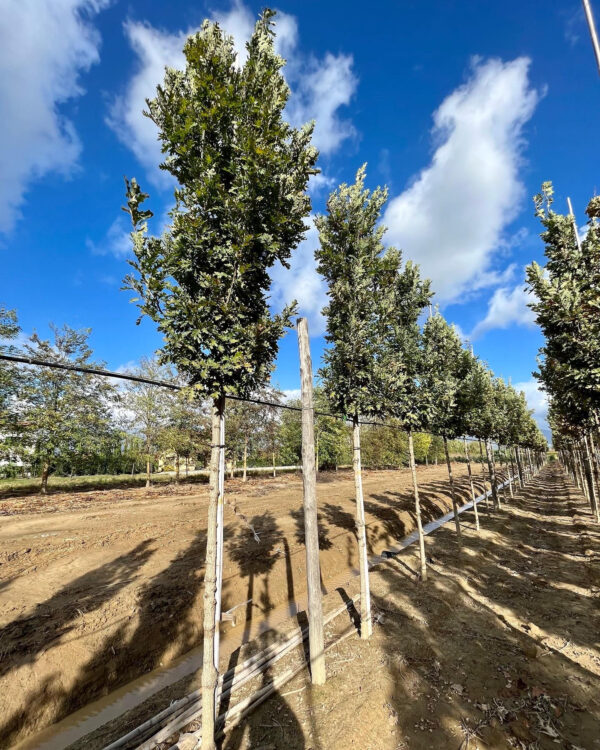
[(73, 424)]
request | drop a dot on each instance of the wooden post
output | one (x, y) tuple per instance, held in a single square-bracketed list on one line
[(487, 497), (316, 639), (413, 471), (495, 498), (452, 493), (471, 483), (592, 27), (212, 576)]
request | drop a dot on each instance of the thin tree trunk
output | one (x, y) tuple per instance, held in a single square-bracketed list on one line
[(453, 493), (519, 467), (366, 626), (317, 453), (471, 483), (590, 480), (485, 491), (595, 464), (210, 658), (132, 469), (273, 458), (413, 471), (502, 489), (512, 469), (148, 468), (582, 482), (232, 468), (45, 474), (495, 498), (177, 468), (245, 474)]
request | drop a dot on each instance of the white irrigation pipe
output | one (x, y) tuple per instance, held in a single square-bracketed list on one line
[(187, 708)]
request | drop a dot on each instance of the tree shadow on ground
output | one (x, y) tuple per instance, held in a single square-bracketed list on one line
[(164, 624), (55, 620)]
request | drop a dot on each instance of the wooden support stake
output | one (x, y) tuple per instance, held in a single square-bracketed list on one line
[(413, 471), (316, 639), (468, 457), (452, 493)]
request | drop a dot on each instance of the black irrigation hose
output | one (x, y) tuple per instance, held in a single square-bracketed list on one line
[(172, 386)]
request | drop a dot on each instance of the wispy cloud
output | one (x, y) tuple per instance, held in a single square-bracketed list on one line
[(506, 307)]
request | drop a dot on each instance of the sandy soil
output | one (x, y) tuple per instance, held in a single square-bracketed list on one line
[(500, 648), (97, 588)]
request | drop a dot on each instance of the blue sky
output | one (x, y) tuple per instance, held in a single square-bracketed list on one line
[(461, 108)]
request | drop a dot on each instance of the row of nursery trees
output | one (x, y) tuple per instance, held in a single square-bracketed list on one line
[(70, 424), (567, 306), (241, 206)]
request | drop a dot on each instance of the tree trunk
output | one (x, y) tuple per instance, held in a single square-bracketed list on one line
[(590, 480), (485, 491), (512, 470), (582, 482), (595, 464), (273, 457), (520, 467), (317, 453), (471, 483), (210, 661), (413, 471), (453, 493), (316, 637), (501, 488), (132, 469), (177, 468), (232, 468), (245, 474), (366, 626), (495, 498), (148, 466), (45, 474)]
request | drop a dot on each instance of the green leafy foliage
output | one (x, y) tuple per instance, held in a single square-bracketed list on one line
[(241, 203), (359, 275)]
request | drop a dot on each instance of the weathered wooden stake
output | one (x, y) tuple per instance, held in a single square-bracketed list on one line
[(452, 493), (413, 470), (316, 639), (471, 483)]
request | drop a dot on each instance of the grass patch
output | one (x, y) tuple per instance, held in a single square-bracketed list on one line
[(18, 487)]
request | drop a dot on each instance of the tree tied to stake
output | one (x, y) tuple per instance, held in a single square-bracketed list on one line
[(358, 273), (240, 207)]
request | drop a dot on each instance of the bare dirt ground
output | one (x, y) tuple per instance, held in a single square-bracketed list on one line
[(500, 648), (97, 588)]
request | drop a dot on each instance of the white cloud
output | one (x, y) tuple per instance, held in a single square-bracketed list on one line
[(302, 283), (318, 91), (44, 46), (117, 240), (292, 394), (506, 307), (451, 219), (536, 400), (155, 50), (319, 87)]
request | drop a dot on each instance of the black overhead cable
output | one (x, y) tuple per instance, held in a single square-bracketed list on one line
[(172, 386)]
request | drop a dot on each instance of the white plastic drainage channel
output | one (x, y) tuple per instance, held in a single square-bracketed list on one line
[(433, 525)]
